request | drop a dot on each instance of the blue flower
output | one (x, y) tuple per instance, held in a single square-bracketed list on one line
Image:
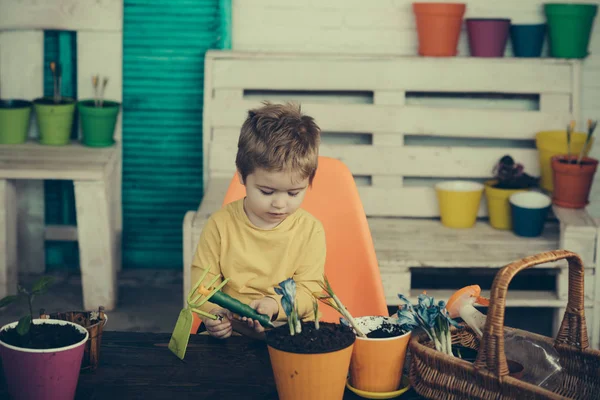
[(407, 317), (287, 289)]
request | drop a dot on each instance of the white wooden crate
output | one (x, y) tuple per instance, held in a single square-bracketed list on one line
[(96, 172), (376, 116)]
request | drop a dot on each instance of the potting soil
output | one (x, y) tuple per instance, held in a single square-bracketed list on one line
[(329, 337), (43, 336)]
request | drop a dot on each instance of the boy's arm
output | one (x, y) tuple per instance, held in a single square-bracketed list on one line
[(207, 255), (308, 275)]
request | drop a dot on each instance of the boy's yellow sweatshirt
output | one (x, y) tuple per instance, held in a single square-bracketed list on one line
[(256, 260)]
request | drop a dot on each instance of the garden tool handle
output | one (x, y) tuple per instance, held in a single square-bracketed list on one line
[(572, 332)]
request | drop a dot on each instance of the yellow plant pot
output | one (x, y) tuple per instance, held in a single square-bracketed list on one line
[(459, 202), (498, 205), (310, 376), (376, 364), (552, 143)]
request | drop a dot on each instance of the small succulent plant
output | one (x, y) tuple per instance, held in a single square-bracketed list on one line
[(511, 175), (287, 289), (431, 317)]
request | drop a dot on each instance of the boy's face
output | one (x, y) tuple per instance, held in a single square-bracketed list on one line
[(272, 196)]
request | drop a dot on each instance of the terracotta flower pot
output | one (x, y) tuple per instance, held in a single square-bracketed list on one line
[(438, 27), (572, 182)]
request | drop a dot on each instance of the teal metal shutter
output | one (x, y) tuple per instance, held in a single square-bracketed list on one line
[(164, 42)]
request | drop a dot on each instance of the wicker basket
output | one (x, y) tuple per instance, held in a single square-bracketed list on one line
[(435, 375), (94, 327)]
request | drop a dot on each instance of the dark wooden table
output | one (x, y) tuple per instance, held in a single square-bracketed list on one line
[(140, 366)]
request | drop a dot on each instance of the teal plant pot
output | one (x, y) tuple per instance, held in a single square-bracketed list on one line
[(98, 123)]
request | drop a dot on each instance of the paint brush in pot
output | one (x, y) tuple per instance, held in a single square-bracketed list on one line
[(54, 81), (59, 85), (104, 83), (570, 128), (591, 129), (95, 79)]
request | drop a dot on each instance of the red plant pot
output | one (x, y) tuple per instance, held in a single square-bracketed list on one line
[(572, 182)]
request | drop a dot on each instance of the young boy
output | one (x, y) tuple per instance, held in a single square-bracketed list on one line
[(265, 238)]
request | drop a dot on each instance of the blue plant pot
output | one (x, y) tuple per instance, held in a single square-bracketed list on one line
[(529, 211), (527, 40)]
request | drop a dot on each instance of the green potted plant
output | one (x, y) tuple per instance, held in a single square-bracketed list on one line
[(310, 360), (14, 121), (573, 174), (509, 178), (379, 350), (41, 357), (98, 117), (55, 114)]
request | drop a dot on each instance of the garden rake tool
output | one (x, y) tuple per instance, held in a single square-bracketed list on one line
[(199, 295)]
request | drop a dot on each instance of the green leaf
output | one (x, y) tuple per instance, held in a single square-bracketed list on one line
[(181, 333), (24, 325), (7, 300), (42, 284)]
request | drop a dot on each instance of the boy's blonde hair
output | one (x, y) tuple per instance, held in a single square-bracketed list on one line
[(278, 137)]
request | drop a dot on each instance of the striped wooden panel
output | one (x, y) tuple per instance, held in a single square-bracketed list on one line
[(443, 74), (397, 146)]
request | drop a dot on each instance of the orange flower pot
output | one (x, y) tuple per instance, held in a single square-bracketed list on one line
[(438, 27), (312, 375), (377, 364), (572, 182)]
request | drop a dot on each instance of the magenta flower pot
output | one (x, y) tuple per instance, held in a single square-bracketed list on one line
[(42, 374), (488, 36)]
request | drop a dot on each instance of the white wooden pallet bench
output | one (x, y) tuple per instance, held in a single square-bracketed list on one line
[(93, 172), (397, 145)]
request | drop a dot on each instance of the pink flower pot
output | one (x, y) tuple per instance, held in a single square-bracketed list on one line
[(42, 374), (488, 36)]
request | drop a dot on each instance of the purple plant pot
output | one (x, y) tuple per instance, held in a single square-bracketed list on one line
[(487, 36), (42, 374)]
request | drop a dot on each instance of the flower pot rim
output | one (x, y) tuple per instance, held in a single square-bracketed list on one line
[(24, 104), (368, 339), (528, 25), (384, 318), (39, 321), (483, 19), (68, 101), (558, 157), (569, 8), (103, 321), (109, 103), (515, 200), (489, 186), (311, 354), (460, 185)]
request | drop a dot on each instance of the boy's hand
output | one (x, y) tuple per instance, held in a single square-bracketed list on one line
[(220, 329), (267, 306)]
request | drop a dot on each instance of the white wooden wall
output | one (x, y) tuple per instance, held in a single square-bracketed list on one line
[(99, 27), (387, 27)]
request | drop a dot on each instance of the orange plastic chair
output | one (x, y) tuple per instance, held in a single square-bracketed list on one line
[(351, 265)]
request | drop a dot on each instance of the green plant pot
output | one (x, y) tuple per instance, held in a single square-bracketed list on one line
[(570, 28), (98, 123), (54, 120), (14, 121)]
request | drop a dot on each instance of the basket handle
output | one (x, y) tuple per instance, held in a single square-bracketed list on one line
[(573, 330)]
